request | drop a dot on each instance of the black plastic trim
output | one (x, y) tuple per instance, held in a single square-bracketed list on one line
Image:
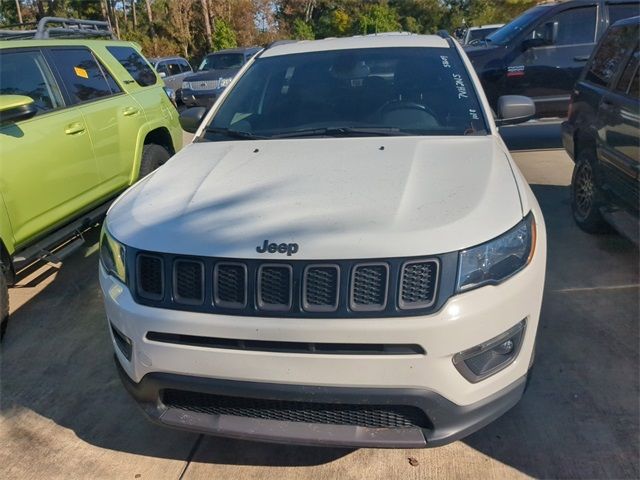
[(449, 422), (413, 305), (445, 288), (223, 303), (357, 307), (320, 308), (287, 347), (174, 281), (138, 290)]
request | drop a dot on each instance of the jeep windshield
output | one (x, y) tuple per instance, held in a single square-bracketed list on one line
[(357, 92), (222, 61), (511, 30)]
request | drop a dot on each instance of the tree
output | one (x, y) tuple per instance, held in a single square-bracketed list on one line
[(302, 30), (378, 18), (207, 22), (224, 36)]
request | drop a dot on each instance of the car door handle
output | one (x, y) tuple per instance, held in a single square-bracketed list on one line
[(130, 111), (74, 128), (581, 58)]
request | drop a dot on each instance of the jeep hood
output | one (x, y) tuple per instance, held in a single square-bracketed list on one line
[(334, 197)]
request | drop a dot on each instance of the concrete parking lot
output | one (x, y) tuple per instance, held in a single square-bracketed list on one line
[(64, 413)]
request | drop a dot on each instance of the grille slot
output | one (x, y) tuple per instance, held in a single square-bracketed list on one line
[(320, 288), (275, 287), (188, 282), (150, 277), (230, 285), (369, 416), (418, 284), (287, 347), (369, 287)]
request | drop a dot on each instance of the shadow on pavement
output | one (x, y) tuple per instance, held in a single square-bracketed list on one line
[(579, 418)]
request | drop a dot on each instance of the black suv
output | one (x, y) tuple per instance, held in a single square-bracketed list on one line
[(602, 134), (541, 53), (215, 73)]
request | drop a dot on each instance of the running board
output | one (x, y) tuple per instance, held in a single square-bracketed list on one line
[(625, 223), (60, 254), (44, 249)]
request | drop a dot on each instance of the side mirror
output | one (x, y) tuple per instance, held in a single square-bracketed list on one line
[(533, 43), (162, 74), (513, 109), (191, 118), (14, 108)]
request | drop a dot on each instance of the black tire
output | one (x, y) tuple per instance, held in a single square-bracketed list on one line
[(4, 304), (153, 156), (586, 197)]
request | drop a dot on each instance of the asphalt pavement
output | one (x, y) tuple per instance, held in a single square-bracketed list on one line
[(64, 414)]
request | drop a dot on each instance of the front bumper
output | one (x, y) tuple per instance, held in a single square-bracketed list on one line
[(428, 380), (449, 421)]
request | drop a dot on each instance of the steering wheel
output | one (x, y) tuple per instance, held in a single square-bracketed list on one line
[(402, 105)]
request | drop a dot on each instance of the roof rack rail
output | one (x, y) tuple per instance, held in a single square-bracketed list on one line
[(278, 42), (56, 27)]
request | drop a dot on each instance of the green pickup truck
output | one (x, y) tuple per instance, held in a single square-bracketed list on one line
[(80, 121)]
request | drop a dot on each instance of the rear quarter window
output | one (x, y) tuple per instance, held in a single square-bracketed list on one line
[(613, 49), (135, 64)]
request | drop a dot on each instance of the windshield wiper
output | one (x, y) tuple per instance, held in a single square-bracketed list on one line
[(234, 133), (342, 132)]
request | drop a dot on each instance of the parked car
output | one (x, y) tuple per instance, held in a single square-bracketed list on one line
[(476, 35), (80, 121), (351, 258), (542, 52), (602, 135), (173, 71), (215, 73)]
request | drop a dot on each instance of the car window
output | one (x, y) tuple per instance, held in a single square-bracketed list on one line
[(511, 30), (421, 91), (135, 64), (574, 26), (622, 10), (174, 68), (612, 50), (184, 66), (628, 74), (84, 78), (222, 61), (162, 68), (27, 73)]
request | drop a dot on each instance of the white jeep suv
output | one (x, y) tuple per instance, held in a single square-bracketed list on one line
[(347, 254)]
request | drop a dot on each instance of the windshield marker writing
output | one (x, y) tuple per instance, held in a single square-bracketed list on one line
[(460, 86)]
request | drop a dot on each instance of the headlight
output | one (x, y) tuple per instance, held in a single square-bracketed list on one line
[(498, 259), (186, 85), (224, 82), (112, 255)]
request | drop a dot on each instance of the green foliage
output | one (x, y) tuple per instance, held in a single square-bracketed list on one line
[(302, 30), (224, 36), (378, 18)]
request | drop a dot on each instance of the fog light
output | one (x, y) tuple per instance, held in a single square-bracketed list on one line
[(490, 357), (124, 343)]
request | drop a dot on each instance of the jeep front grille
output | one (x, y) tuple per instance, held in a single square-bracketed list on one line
[(391, 287)]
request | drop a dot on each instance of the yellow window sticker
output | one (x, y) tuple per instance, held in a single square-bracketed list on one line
[(81, 72)]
